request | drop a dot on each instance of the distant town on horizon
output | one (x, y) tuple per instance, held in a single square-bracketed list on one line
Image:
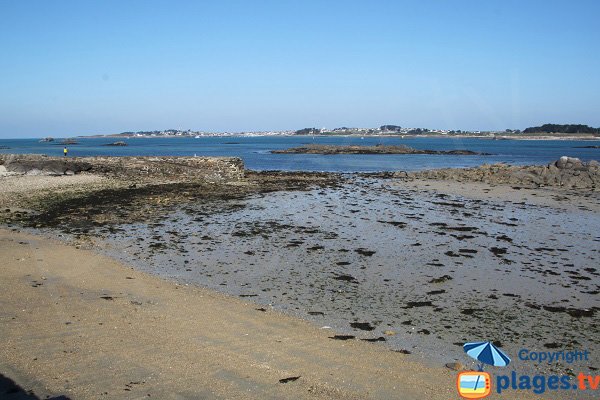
[(546, 129)]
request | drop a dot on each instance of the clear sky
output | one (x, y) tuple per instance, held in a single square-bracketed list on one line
[(84, 67)]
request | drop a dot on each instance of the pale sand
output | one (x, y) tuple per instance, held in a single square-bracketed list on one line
[(59, 336)]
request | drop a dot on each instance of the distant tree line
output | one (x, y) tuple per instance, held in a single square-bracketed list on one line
[(556, 128), (390, 128), (418, 131), (308, 131)]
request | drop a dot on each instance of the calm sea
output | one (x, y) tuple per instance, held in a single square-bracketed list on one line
[(255, 151)]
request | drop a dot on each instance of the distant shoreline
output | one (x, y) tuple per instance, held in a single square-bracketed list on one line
[(238, 135), (497, 137)]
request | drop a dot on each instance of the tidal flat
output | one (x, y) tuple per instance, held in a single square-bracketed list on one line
[(414, 267)]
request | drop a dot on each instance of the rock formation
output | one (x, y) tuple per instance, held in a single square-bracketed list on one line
[(209, 169), (379, 149), (566, 172)]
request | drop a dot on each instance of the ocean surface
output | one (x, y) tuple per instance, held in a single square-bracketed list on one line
[(255, 151)]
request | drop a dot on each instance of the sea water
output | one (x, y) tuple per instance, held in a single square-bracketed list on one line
[(256, 151)]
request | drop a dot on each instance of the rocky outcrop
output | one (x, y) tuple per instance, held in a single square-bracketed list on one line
[(119, 143), (379, 149), (566, 172), (40, 165), (208, 169)]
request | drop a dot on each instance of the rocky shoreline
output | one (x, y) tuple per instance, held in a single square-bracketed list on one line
[(134, 188), (566, 172), (112, 189), (378, 149), (151, 169)]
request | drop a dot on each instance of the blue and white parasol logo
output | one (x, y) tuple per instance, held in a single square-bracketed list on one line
[(486, 353)]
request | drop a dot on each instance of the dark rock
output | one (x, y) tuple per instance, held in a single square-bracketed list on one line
[(434, 292), (441, 279), (498, 251), (365, 326), (290, 379), (552, 345), (573, 312), (346, 278), (505, 238), (46, 167), (379, 339), (460, 228), (394, 223), (342, 337), (470, 251), (364, 252), (412, 304)]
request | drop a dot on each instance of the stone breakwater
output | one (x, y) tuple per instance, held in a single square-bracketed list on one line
[(567, 172), (206, 169)]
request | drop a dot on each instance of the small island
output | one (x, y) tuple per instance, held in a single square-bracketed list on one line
[(119, 143), (378, 149)]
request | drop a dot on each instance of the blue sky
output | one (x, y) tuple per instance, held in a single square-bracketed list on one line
[(86, 67)]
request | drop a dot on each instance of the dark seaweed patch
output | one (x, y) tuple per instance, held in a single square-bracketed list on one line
[(290, 379), (365, 326), (342, 337)]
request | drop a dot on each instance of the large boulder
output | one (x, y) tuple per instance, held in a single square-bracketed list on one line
[(4, 171), (568, 163)]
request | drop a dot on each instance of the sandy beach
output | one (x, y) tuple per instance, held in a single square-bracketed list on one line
[(82, 325), (120, 288)]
